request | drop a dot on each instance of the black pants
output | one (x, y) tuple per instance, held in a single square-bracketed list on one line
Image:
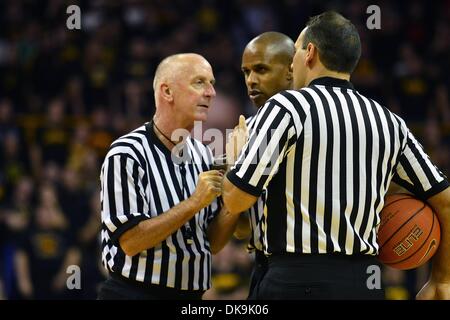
[(259, 270), (117, 288), (321, 277)]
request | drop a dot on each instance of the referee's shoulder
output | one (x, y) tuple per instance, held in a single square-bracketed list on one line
[(293, 96), (389, 113), (130, 144), (294, 101)]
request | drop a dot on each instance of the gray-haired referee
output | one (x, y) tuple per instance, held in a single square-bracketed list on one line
[(326, 155), (160, 216)]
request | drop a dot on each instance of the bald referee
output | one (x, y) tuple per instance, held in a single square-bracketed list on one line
[(160, 217), (326, 155), (266, 65)]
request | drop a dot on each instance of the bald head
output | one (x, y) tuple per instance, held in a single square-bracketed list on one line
[(184, 89), (175, 65), (275, 44)]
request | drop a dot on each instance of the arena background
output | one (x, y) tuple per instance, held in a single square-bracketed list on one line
[(65, 95)]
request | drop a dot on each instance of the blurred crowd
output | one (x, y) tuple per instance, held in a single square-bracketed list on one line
[(65, 95)]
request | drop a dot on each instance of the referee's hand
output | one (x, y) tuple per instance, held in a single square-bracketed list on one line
[(434, 290), (209, 187), (236, 141)]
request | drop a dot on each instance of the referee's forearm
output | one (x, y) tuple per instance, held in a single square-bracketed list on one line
[(243, 228), (150, 233), (221, 229)]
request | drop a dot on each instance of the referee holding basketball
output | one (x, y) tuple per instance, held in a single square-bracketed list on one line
[(326, 155)]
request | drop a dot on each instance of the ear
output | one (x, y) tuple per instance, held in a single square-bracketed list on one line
[(311, 52), (289, 75), (166, 92)]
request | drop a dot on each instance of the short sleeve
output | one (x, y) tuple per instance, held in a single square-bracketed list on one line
[(273, 134), (123, 199), (415, 171)]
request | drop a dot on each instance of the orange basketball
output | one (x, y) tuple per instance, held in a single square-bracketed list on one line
[(409, 232)]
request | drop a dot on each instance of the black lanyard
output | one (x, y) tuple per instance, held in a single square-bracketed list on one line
[(188, 234), (186, 230)]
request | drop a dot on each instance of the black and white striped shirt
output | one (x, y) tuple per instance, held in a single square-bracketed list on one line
[(326, 155), (139, 181), (256, 212)]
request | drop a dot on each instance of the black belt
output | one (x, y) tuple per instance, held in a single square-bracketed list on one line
[(335, 258), (158, 290)]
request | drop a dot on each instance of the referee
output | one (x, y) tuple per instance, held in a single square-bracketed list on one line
[(160, 215), (266, 65), (326, 155)]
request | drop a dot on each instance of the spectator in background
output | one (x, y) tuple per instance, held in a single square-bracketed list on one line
[(89, 243), (413, 85), (46, 250), (14, 163), (79, 147), (101, 135), (15, 214), (14, 156), (53, 137)]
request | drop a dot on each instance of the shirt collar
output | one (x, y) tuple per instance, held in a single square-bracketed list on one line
[(160, 145), (332, 82)]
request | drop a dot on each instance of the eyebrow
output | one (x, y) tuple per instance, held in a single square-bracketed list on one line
[(212, 81), (258, 65)]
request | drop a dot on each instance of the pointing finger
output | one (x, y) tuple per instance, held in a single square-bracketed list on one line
[(242, 124)]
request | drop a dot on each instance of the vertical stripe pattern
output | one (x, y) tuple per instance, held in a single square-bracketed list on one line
[(337, 153), (139, 181)]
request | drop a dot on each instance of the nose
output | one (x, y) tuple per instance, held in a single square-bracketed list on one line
[(252, 79), (210, 91)]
